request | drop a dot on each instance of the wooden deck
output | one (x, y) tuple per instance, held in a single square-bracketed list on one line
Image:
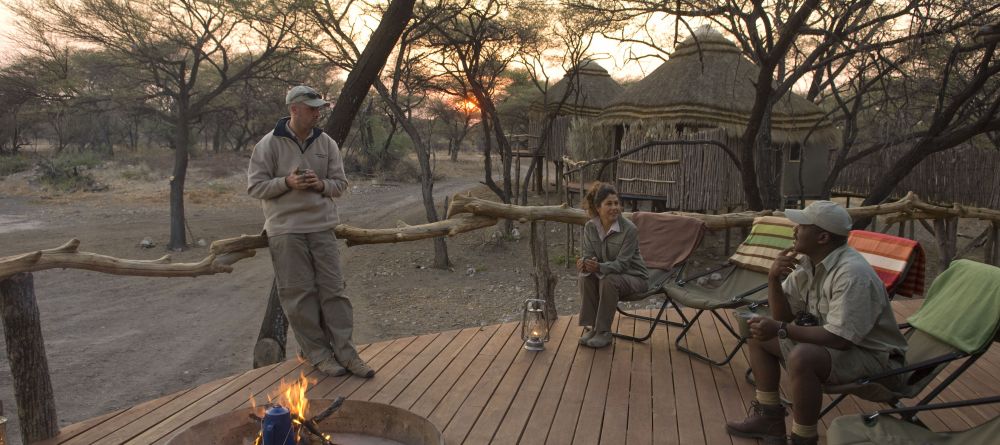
[(479, 386)]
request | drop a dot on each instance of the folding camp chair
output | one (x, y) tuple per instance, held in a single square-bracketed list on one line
[(881, 428), (958, 321), (744, 282), (899, 262), (665, 242)]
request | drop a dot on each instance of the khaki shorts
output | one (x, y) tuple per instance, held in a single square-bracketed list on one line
[(852, 364)]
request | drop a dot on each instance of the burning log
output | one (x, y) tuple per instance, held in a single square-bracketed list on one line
[(337, 403)]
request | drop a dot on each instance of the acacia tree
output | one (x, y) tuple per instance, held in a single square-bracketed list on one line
[(186, 53), (474, 48), (793, 41)]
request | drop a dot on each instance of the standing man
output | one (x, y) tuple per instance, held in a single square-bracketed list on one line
[(296, 171), (832, 324)]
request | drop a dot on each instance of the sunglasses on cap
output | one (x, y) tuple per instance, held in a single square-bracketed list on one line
[(308, 96)]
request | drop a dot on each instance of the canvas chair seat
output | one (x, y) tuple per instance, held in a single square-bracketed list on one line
[(744, 282), (665, 242), (853, 430), (881, 428)]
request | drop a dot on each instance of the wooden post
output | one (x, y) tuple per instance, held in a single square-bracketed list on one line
[(545, 281), (22, 328), (946, 232), (913, 230), (993, 245)]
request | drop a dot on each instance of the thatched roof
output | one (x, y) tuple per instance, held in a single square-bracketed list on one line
[(590, 90), (707, 83)]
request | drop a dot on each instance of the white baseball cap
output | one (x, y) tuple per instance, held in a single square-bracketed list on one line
[(306, 95), (826, 215)]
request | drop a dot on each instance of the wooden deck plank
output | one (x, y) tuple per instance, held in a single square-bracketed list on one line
[(156, 417), (688, 406), (380, 362), (369, 387), (405, 376), (455, 397), (640, 401), (422, 382), (528, 371), (536, 430), (592, 413), (665, 428), (441, 386), (563, 427), (534, 405), (614, 429), (504, 373), (479, 386), (70, 431), (95, 434)]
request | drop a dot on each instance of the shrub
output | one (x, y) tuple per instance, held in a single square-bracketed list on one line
[(66, 177), (10, 164)]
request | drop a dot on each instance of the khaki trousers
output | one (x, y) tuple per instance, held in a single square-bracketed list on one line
[(311, 291), (601, 295)]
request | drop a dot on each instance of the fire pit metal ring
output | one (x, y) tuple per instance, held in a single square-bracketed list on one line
[(357, 422)]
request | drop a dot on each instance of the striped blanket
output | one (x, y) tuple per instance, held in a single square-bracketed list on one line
[(768, 237), (889, 256)]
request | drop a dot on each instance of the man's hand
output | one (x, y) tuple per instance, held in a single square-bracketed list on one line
[(588, 265), (763, 328), (783, 265), (303, 180)]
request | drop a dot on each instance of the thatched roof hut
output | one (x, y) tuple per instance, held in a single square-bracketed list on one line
[(581, 95), (708, 83), (705, 91)]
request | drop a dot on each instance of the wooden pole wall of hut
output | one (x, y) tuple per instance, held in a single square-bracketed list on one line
[(946, 233), (29, 367)]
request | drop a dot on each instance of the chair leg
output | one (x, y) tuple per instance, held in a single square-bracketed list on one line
[(729, 355), (832, 404), (660, 318)]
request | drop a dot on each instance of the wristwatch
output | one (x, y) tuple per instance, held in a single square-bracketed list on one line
[(782, 330)]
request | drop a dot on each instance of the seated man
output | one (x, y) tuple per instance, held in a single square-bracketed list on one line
[(832, 324)]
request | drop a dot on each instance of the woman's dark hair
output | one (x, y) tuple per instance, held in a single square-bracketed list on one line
[(596, 195)]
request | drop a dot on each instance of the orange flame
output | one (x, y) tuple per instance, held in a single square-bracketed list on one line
[(291, 395)]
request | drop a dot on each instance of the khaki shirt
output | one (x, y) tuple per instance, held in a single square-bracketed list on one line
[(849, 299), (617, 251)]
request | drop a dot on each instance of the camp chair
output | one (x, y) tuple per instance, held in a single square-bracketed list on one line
[(899, 262), (665, 242), (880, 428), (744, 282), (958, 320)]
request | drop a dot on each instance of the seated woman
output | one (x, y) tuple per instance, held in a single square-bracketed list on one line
[(610, 266)]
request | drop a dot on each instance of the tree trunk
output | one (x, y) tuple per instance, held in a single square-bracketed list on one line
[(545, 281), (367, 69), (355, 89), (182, 139), (273, 336), (22, 326), (946, 232)]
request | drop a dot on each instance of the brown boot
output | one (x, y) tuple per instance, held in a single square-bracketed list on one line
[(795, 439), (767, 422)]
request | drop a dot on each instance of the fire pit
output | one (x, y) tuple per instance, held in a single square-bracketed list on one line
[(356, 422)]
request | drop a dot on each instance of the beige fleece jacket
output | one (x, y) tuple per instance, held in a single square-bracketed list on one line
[(296, 211)]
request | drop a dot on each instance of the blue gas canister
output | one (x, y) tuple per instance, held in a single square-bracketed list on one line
[(276, 429)]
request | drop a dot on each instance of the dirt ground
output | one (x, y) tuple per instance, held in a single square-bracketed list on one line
[(114, 341)]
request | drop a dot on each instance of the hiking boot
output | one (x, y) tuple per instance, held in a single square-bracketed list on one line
[(330, 367), (588, 333), (767, 422), (795, 439), (599, 340), (359, 368)]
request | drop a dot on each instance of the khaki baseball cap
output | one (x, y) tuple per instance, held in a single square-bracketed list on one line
[(305, 95), (826, 215)]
